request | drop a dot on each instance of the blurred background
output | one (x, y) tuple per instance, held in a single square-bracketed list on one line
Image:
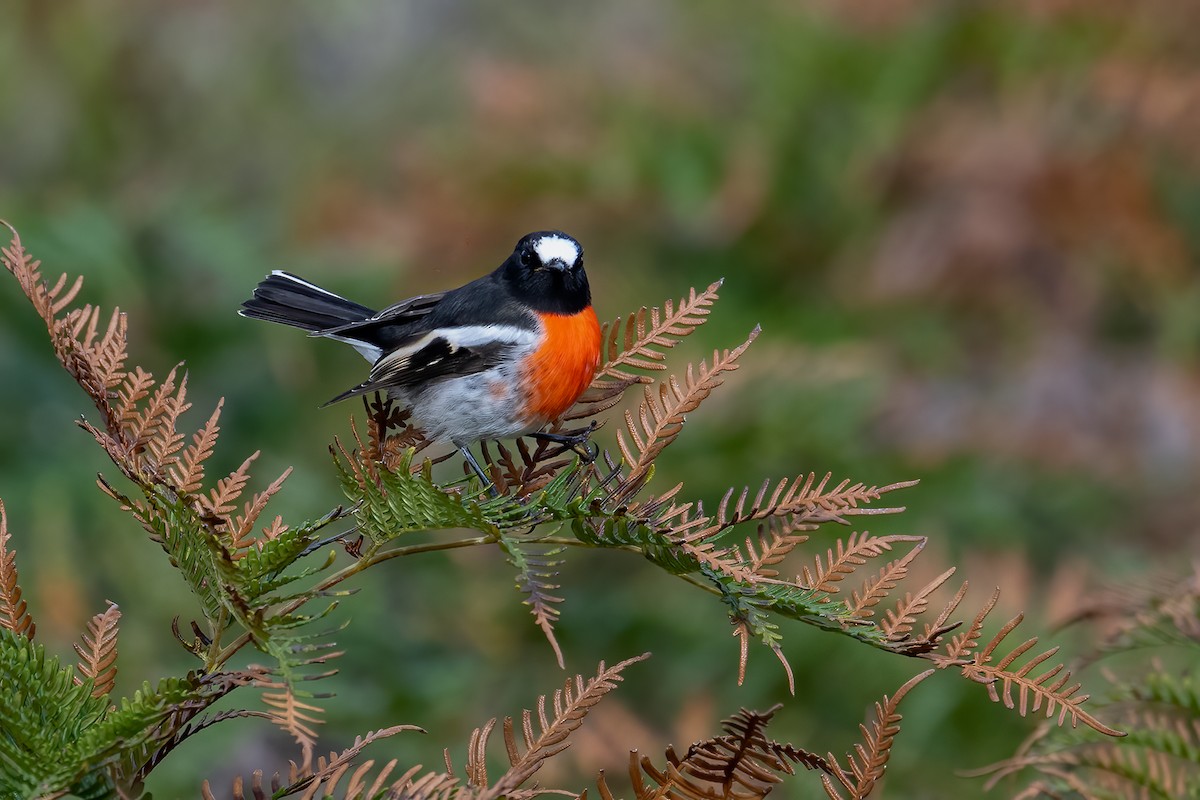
[(969, 230)]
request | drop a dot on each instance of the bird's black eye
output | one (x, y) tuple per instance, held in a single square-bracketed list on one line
[(528, 258)]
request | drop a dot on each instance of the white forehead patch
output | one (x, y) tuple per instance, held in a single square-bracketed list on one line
[(551, 247)]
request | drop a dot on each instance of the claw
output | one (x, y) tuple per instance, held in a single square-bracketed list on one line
[(590, 452), (579, 443)]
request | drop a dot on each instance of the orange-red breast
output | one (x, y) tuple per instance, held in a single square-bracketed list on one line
[(499, 357)]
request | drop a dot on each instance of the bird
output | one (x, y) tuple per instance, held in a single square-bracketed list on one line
[(496, 358)]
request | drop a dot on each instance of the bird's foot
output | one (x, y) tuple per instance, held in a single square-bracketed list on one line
[(580, 443)]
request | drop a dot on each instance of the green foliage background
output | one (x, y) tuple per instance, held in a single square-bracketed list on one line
[(969, 230)]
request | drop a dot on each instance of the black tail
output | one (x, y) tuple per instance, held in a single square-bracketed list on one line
[(289, 300)]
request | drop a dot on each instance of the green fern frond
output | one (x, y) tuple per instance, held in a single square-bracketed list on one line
[(1162, 688), (620, 531), (262, 569), (398, 502), (136, 726), (200, 557)]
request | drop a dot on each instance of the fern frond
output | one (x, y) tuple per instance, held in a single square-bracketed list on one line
[(242, 531), (535, 571), (632, 344), (295, 717), (776, 539), (48, 301), (1050, 688), (866, 765), (188, 473), (390, 502), (545, 739), (601, 396), (935, 631), (132, 390), (963, 644), (221, 500), (154, 427), (99, 651), (861, 603), (1096, 769), (843, 559), (39, 747), (96, 364), (661, 415), (742, 763), (327, 773), (184, 731), (802, 501), (899, 620), (527, 470), (14, 611)]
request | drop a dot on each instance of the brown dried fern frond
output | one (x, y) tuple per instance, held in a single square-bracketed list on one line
[(98, 653), (14, 611), (241, 531), (742, 763), (525, 471), (1049, 689), (803, 501), (321, 779), (844, 558), (543, 740), (48, 301), (632, 344), (963, 644), (862, 602), (140, 416), (1099, 770), (776, 539), (154, 426), (187, 473), (661, 415), (898, 621), (294, 716), (94, 363), (866, 765), (222, 499)]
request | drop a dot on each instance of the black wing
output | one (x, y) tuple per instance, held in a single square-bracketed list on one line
[(429, 357)]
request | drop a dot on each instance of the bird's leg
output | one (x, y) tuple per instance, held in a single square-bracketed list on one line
[(580, 443), (478, 470)]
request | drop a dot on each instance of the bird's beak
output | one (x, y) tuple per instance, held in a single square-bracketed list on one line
[(558, 264)]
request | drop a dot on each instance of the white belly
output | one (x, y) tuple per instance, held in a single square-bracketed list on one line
[(486, 405)]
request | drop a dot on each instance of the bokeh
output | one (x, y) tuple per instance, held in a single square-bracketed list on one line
[(970, 231)]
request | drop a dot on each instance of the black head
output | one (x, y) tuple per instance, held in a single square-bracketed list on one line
[(545, 271)]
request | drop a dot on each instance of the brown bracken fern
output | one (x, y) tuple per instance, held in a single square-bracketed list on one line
[(98, 654), (14, 611), (661, 414), (865, 766), (260, 583), (1156, 703), (205, 533)]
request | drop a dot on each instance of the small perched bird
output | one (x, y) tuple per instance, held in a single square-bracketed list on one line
[(499, 357)]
